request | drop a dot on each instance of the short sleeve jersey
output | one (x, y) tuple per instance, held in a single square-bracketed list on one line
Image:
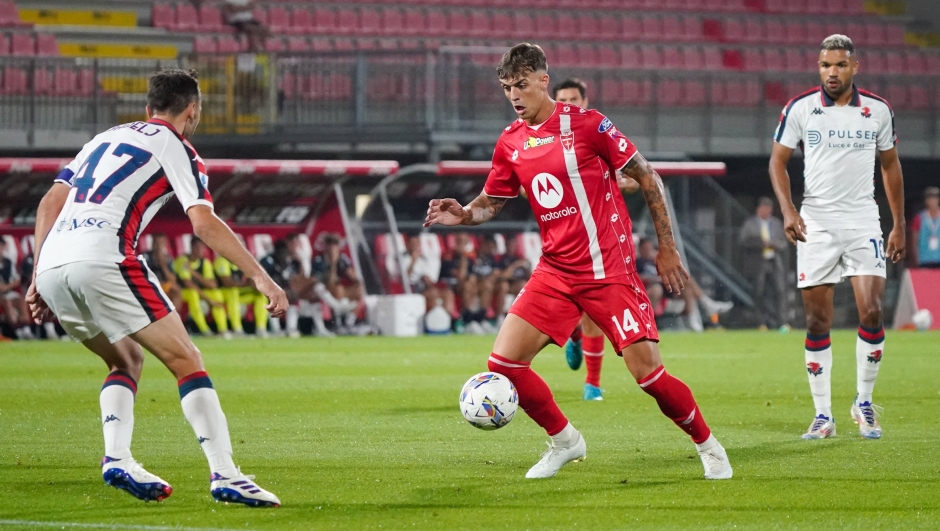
[(225, 269), (319, 266), (839, 146), (118, 182), (183, 266), (567, 166)]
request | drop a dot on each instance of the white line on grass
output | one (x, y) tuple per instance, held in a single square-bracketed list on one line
[(31, 523)]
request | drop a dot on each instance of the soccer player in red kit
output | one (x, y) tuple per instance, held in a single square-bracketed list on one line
[(566, 157)]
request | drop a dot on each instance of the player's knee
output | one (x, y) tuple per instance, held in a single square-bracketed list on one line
[(870, 315), (817, 324)]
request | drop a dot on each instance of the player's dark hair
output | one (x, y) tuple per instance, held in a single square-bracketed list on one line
[(171, 90), (195, 240), (644, 240), (570, 83), (521, 60), (838, 42)]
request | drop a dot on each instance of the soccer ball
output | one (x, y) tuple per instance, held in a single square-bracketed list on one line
[(923, 319), (488, 401)]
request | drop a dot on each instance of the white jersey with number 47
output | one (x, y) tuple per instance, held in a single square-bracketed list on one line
[(118, 182)]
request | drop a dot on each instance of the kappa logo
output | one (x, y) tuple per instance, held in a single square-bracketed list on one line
[(202, 439), (605, 125), (534, 142), (817, 110), (547, 190), (814, 137), (814, 368), (866, 112), (111, 418), (567, 141), (875, 357)]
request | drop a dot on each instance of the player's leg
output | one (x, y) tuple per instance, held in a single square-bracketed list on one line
[(869, 348), (219, 313), (168, 341), (22, 316), (541, 309), (194, 304), (574, 348), (233, 308), (592, 344), (817, 304)]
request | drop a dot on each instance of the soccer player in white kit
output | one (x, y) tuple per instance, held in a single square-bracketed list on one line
[(841, 129), (88, 275)]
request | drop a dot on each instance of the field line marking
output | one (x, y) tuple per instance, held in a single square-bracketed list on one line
[(32, 523)]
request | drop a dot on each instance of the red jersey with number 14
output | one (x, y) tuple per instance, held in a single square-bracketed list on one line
[(567, 166)]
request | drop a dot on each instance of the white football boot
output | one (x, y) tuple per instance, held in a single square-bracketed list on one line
[(822, 428), (714, 459), (241, 489), (866, 416), (556, 457), (129, 476)]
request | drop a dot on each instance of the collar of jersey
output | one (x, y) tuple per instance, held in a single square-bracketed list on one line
[(829, 102), (538, 126), (164, 123)]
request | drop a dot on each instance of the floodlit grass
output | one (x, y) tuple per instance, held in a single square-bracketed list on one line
[(366, 434)]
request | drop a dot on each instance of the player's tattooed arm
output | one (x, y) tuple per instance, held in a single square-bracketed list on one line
[(449, 212), (668, 261)]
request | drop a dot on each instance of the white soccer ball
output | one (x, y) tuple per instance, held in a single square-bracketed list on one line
[(488, 401), (923, 320)]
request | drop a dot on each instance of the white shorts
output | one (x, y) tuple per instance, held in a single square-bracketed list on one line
[(830, 255), (90, 298)]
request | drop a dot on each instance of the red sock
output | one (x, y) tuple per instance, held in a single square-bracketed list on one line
[(593, 347), (676, 402), (576, 334), (535, 398)]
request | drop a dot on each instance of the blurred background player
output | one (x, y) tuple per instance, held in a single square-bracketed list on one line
[(587, 340), (335, 271), (838, 231), (925, 231), (287, 273), (197, 276), (106, 297), (160, 261), (582, 267), (483, 295), (27, 268), (419, 270), (11, 300), (762, 241), (237, 290)]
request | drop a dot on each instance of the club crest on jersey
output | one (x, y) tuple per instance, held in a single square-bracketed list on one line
[(875, 357), (866, 112), (547, 190), (605, 125), (534, 142), (567, 141), (814, 368)]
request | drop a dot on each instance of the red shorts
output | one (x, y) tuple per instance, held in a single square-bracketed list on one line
[(621, 309)]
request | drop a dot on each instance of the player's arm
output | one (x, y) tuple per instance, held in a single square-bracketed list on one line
[(668, 261), (894, 187), (626, 184), (793, 225), (220, 238), (449, 212), (49, 209)]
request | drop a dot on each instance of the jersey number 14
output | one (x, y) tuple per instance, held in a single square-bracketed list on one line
[(85, 177), (629, 324)]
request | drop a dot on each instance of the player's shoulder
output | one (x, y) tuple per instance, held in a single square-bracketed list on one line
[(802, 100), (513, 128), (873, 101)]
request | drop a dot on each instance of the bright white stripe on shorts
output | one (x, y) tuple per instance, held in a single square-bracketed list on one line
[(688, 420), (504, 364), (80, 525), (654, 378), (571, 163)]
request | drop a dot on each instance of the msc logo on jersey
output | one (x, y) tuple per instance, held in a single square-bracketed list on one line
[(74, 224), (814, 137), (534, 142), (567, 141), (547, 190), (605, 125)]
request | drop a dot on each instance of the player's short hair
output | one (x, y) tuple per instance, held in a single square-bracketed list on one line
[(194, 241), (837, 41), (331, 239), (522, 59), (570, 83), (171, 90), (644, 240), (931, 191)]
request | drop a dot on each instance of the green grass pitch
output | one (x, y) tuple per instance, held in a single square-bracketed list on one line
[(364, 433)]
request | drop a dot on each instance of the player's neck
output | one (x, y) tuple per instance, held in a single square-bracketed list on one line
[(178, 123), (842, 99), (545, 112)]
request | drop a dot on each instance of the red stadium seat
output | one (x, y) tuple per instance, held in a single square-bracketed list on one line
[(392, 21), (324, 44), (163, 16), (733, 30), (259, 13), (774, 60), (794, 60), (565, 56), (567, 27), (894, 35), (712, 30), (204, 44), (753, 60), (347, 22), (815, 32), (278, 19), (630, 57), (587, 56), (343, 44), (588, 26), (915, 63), (933, 63), (874, 62), (651, 28), (15, 81), (855, 7), (796, 33), (754, 31), (458, 23), (796, 6), (608, 56), (714, 58), (297, 44), (775, 6), (228, 44), (274, 45), (669, 93), (437, 22), (774, 92), (42, 81), (673, 58), (370, 21), (9, 17), (672, 30), (302, 22), (610, 91), (22, 44), (502, 25), (693, 58), (874, 34), (693, 93), (897, 96), (775, 31), (187, 19), (546, 24), (366, 44), (894, 63), (919, 97), (46, 45), (855, 30), (651, 57), (65, 82), (480, 23), (86, 82), (632, 27), (324, 20), (4, 45), (210, 18), (692, 29), (638, 93), (611, 28)]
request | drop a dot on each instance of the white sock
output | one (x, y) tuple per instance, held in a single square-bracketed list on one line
[(50, 330), (708, 444), (868, 350), (204, 412), (328, 297), (275, 324), (292, 318), (566, 437), (117, 414), (819, 368)]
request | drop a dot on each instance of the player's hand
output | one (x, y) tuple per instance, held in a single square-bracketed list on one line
[(671, 271), (37, 307), (446, 212), (793, 226), (277, 298), (896, 244)]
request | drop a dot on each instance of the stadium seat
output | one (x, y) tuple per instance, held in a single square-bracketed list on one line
[(341, 44), (732, 30), (608, 56), (897, 96), (894, 63), (631, 26), (693, 58), (502, 25), (22, 44), (302, 21), (874, 34), (611, 28), (46, 45), (437, 22), (65, 82), (565, 56), (673, 57), (894, 35), (278, 20), (15, 81), (365, 44), (4, 45), (210, 18), (775, 6), (815, 32), (42, 81), (651, 27), (297, 44), (933, 63), (796, 33), (714, 58), (480, 24), (187, 19), (546, 24), (588, 25), (793, 60), (669, 93), (324, 20), (775, 93), (163, 16), (347, 21), (638, 92), (458, 23), (229, 44), (87, 83), (610, 91), (204, 44), (323, 44), (754, 31), (693, 93), (753, 59), (874, 62), (692, 29), (919, 97), (274, 45), (567, 26), (671, 27), (651, 57), (259, 13)]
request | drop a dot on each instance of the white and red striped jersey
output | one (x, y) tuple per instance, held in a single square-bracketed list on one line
[(567, 166), (119, 181)]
